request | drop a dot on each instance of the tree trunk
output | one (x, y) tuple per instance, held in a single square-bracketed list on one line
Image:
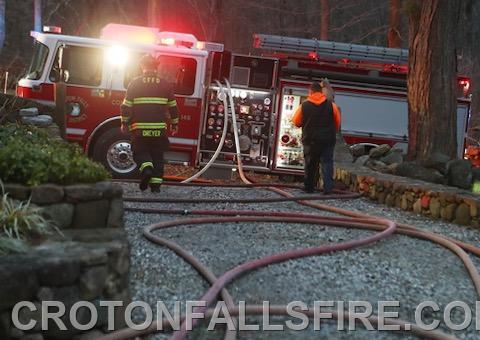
[(2, 23), (394, 39), (152, 14), (432, 80), (474, 131), (37, 12), (325, 20)]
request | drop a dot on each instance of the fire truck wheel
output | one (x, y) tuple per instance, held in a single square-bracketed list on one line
[(113, 150)]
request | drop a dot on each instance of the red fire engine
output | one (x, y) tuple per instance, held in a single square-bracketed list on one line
[(369, 83)]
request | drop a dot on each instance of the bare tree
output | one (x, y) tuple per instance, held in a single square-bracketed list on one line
[(37, 12), (394, 39), (325, 20), (472, 11), (2, 23), (431, 81), (206, 12), (152, 13)]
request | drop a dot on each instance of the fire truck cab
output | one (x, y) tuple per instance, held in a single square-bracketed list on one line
[(369, 84), (97, 73)]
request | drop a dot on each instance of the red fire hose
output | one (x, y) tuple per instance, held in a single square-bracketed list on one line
[(356, 220)]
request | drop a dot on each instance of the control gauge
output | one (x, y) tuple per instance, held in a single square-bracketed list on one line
[(267, 101)]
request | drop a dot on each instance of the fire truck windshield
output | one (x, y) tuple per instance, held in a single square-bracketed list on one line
[(179, 71), (38, 61)]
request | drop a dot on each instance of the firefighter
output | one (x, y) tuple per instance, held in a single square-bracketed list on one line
[(319, 119), (148, 106)]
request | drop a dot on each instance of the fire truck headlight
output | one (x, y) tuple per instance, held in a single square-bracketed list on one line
[(117, 56)]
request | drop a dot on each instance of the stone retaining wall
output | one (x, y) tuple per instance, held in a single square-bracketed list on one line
[(69, 269), (433, 200), (88, 261), (81, 206)]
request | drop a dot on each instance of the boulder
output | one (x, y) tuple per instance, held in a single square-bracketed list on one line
[(47, 194), (394, 156), (376, 165), (115, 216), (40, 121), (358, 150), (379, 151), (391, 169), (416, 171), (437, 161), (476, 174), (109, 189), (60, 214), (58, 271), (342, 151), (92, 282), (17, 191), (462, 214), (460, 173), (28, 112), (82, 193), (91, 215), (360, 161)]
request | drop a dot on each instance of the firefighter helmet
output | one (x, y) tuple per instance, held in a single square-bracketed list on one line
[(148, 62)]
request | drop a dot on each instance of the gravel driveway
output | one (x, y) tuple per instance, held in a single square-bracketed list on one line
[(399, 268)]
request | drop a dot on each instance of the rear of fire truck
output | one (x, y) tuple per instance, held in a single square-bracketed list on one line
[(97, 72)]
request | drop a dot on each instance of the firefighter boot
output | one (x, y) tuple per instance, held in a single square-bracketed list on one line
[(145, 178), (155, 188), (155, 183)]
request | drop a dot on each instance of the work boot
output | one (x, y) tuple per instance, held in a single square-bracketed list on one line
[(145, 178), (155, 188), (309, 190)]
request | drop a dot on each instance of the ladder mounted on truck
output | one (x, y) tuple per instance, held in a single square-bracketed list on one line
[(330, 49)]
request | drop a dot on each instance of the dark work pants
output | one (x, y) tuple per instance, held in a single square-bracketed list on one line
[(148, 152), (315, 153)]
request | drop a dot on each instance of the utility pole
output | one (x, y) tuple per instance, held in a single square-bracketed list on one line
[(37, 12)]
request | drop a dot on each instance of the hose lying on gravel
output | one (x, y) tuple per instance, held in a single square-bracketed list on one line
[(384, 227), (357, 221), (387, 227)]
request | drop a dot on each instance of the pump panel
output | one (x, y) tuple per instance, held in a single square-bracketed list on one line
[(254, 122)]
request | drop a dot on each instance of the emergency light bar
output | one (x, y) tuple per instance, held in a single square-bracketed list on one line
[(52, 29), (152, 36), (327, 49)]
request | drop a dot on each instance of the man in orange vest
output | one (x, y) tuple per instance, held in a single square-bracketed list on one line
[(319, 119)]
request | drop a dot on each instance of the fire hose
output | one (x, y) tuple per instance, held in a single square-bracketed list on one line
[(383, 227)]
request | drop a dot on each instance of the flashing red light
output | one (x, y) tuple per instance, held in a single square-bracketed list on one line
[(313, 55), (465, 83)]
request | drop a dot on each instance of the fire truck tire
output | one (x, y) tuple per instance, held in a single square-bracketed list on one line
[(113, 150)]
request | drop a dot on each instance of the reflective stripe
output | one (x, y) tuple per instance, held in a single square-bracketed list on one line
[(172, 103), (175, 121), (127, 103), (150, 100), (152, 133), (156, 180), (152, 126), (124, 118), (145, 165)]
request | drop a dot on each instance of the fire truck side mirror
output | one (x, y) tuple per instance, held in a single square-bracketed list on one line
[(60, 70)]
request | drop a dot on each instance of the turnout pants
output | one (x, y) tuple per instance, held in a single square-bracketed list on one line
[(315, 153), (148, 153)]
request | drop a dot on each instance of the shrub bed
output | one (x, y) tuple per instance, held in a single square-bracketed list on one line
[(30, 156)]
